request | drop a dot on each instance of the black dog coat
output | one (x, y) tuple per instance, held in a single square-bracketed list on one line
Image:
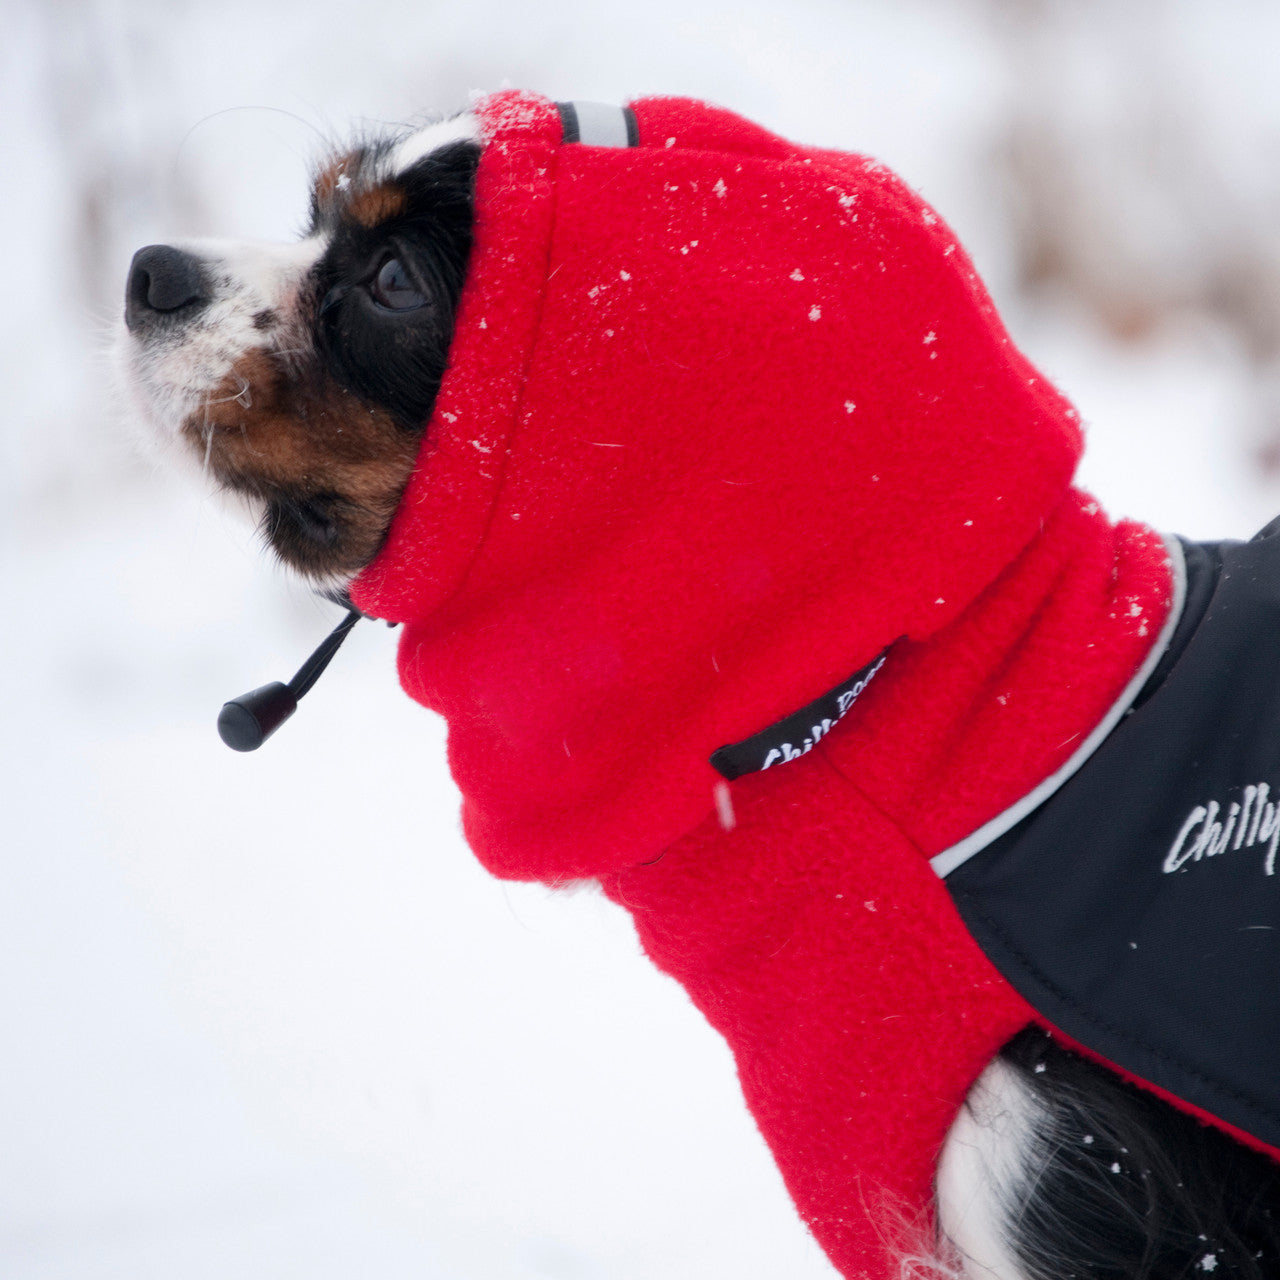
[(1138, 909)]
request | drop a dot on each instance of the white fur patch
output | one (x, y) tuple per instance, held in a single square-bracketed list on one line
[(170, 374), (982, 1159), (419, 145)]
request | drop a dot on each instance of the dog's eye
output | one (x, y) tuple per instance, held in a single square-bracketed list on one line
[(391, 288)]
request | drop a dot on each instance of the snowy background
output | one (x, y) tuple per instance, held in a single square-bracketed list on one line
[(263, 1016)]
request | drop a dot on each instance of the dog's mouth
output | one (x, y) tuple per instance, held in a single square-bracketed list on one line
[(301, 377)]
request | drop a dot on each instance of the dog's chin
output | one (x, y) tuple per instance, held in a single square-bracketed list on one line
[(325, 539)]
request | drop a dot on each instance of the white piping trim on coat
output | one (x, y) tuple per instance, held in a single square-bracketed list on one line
[(948, 860)]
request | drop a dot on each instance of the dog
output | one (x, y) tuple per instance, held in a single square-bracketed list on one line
[(650, 427)]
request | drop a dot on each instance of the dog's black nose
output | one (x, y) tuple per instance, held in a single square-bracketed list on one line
[(163, 282)]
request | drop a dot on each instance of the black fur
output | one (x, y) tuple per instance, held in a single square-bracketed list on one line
[(1119, 1185), (297, 524), (396, 359)]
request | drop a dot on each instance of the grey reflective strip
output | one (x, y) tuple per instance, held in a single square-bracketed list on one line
[(948, 860), (598, 124)]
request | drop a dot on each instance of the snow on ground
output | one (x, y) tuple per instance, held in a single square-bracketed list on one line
[(264, 1016)]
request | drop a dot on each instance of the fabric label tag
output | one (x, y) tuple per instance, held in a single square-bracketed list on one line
[(798, 734)]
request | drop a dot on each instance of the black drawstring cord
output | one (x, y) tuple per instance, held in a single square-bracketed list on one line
[(310, 671), (246, 722)]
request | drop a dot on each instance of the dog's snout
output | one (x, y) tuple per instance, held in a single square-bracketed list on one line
[(163, 282)]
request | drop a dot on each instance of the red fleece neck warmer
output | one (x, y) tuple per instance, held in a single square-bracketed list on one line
[(726, 417)]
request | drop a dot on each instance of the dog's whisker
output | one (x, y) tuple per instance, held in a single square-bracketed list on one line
[(241, 395), (206, 432)]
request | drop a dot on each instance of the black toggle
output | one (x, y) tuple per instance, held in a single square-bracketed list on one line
[(246, 722)]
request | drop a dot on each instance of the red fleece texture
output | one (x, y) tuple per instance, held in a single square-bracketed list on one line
[(726, 417)]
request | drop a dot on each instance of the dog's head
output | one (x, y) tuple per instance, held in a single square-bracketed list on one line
[(301, 376)]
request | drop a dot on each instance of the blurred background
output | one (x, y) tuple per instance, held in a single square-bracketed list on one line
[(263, 1016)]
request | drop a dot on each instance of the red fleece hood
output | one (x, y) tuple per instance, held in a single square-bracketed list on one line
[(725, 418)]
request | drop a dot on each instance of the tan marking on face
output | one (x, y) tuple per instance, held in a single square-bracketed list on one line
[(333, 177), (377, 205), (268, 431)]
